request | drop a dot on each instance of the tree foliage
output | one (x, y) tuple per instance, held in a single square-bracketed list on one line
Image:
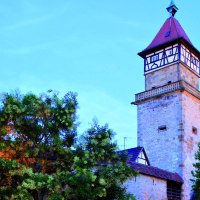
[(196, 175), (41, 157)]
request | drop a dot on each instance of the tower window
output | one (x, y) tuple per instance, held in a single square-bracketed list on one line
[(154, 58), (193, 60), (162, 128), (170, 52), (194, 130)]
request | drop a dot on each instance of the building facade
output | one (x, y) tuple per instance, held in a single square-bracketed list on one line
[(169, 109)]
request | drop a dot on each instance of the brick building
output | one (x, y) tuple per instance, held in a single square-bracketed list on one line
[(168, 116)]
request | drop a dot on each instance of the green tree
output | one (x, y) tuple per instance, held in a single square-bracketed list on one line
[(41, 157), (196, 175)]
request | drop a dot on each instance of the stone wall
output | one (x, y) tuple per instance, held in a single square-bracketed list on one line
[(186, 75), (173, 73), (161, 77), (163, 147), (190, 138), (169, 125), (147, 188), (172, 149)]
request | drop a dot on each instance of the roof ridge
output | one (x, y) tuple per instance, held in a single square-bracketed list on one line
[(188, 39), (175, 26), (131, 148)]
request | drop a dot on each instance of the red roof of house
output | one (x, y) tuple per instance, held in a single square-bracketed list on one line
[(170, 31)]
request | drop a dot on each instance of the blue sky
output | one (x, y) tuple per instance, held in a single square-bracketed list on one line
[(89, 47)]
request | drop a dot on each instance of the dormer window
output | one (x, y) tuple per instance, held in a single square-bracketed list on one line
[(154, 58), (167, 34)]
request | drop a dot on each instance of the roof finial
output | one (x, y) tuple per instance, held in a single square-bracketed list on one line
[(172, 9)]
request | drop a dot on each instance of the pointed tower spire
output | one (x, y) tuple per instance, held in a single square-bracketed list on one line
[(172, 9)]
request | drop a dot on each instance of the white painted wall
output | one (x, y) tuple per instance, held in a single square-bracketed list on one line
[(147, 188)]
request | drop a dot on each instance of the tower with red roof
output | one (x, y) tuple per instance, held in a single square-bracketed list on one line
[(169, 108)]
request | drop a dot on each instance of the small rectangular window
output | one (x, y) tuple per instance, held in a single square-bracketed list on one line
[(193, 60), (162, 128), (154, 58), (170, 52), (194, 130)]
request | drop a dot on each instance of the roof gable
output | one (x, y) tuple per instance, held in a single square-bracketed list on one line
[(137, 155), (170, 31)]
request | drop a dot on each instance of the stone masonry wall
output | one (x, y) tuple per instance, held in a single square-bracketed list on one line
[(172, 73), (163, 147), (186, 75), (190, 138), (161, 77), (147, 188), (172, 148)]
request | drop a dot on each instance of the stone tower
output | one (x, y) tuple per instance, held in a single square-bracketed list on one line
[(169, 108)]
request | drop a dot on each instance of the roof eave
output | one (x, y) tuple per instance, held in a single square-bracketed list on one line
[(173, 177), (180, 40), (178, 181), (190, 47)]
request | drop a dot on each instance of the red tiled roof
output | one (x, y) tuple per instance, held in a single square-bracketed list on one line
[(170, 31), (156, 172)]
